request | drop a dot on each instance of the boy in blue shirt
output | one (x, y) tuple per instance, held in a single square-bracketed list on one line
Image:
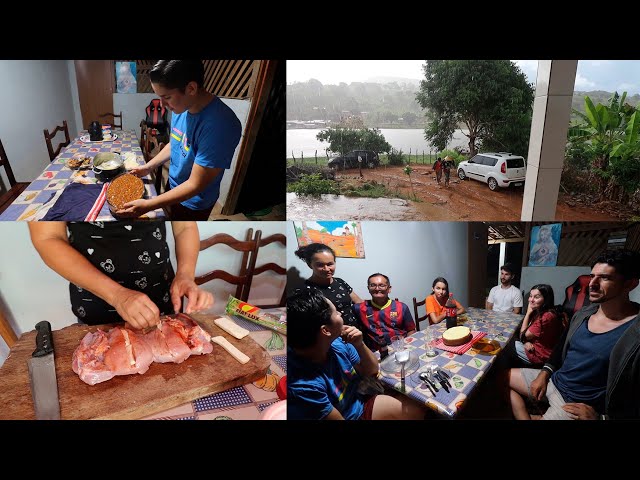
[(204, 135), (326, 361)]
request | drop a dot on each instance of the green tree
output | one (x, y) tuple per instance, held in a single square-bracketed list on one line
[(410, 118), (609, 137), (343, 140), (491, 98)]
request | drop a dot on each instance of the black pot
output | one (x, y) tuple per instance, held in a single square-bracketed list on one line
[(107, 166)]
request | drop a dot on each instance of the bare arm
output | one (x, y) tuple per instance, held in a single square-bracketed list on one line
[(160, 159), (368, 366), (199, 179), (51, 242), (187, 240), (355, 298), (334, 415), (517, 310), (460, 310), (435, 318)]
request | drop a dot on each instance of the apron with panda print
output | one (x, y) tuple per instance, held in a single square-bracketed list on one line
[(134, 254)]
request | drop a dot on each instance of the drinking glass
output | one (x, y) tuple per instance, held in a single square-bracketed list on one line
[(400, 349), (429, 341)]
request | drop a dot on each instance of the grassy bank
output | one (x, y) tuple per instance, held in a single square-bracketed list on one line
[(416, 159)]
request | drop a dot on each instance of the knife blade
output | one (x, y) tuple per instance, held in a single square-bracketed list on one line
[(42, 375), (443, 382), (441, 378)]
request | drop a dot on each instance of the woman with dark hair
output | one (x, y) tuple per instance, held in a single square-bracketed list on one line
[(541, 328), (436, 301), (321, 259)]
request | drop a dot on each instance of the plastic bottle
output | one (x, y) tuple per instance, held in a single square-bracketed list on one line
[(451, 310)]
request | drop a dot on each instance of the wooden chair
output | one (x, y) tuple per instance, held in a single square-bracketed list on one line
[(113, 123), (249, 249), (49, 136), (274, 267), (15, 188), (6, 332), (417, 317)]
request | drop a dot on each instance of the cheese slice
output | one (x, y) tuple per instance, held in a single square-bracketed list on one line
[(235, 353), (231, 327), (456, 336)]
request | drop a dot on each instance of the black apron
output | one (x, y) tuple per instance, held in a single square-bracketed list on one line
[(135, 254)]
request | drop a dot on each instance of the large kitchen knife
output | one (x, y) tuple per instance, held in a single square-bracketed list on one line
[(42, 373)]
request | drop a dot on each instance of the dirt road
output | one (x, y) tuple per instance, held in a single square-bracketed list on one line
[(467, 200)]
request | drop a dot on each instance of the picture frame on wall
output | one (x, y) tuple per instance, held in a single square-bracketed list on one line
[(343, 236), (126, 77), (545, 242)]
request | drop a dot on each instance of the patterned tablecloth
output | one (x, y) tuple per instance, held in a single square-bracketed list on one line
[(465, 370), (248, 401), (44, 190)]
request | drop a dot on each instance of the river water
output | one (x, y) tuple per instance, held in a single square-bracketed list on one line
[(304, 141)]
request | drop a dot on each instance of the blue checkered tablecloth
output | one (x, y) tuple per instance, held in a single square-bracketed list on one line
[(57, 176), (465, 370)]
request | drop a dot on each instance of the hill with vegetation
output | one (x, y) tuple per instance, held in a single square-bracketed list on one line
[(382, 105)]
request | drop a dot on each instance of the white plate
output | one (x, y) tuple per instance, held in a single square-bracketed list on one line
[(85, 139)]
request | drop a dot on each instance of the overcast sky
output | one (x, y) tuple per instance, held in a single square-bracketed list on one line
[(609, 75)]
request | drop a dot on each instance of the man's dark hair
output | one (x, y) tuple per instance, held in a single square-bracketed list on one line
[(177, 73), (308, 251), (626, 262), (507, 267), (307, 312), (378, 274)]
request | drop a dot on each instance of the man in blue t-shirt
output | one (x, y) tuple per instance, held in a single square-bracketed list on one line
[(595, 371), (204, 135), (326, 364)]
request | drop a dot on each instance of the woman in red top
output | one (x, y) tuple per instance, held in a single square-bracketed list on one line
[(541, 328), (436, 301)]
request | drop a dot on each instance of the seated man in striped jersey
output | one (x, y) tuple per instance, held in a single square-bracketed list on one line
[(381, 317)]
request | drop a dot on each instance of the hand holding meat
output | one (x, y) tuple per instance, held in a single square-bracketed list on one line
[(197, 299), (136, 309)]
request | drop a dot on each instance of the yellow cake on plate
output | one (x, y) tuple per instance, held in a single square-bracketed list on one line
[(456, 336)]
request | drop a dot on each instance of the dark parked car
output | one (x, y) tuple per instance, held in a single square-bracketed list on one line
[(369, 158)]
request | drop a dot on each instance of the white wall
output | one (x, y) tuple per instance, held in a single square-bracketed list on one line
[(34, 95), (559, 278), (411, 254), (31, 292)]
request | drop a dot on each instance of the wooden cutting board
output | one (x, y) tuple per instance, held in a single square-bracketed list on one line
[(163, 386)]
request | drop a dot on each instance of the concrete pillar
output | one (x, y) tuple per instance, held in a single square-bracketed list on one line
[(503, 256), (549, 126)]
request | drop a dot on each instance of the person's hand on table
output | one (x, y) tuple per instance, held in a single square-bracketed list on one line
[(135, 208), (197, 299), (580, 411), (352, 335), (136, 309), (140, 171)]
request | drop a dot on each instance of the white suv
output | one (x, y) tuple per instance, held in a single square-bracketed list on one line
[(495, 169)]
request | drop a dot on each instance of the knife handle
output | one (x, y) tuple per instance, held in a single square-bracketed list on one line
[(44, 339)]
